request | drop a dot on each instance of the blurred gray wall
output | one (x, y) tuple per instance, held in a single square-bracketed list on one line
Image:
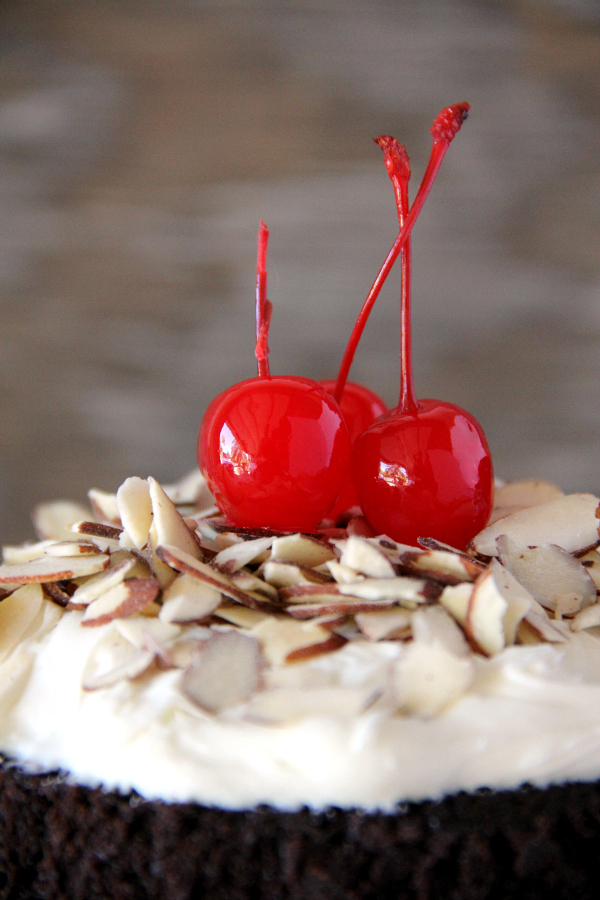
[(140, 144)]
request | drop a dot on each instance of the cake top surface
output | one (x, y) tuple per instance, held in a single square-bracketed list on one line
[(147, 628)]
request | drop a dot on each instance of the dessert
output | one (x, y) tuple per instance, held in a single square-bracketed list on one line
[(249, 700)]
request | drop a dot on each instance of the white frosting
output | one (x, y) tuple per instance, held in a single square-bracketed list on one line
[(532, 715)]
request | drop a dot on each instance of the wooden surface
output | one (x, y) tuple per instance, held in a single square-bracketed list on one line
[(141, 143)]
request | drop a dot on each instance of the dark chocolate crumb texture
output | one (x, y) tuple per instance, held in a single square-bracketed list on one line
[(64, 842)]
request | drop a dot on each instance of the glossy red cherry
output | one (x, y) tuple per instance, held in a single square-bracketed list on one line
[(424, 469), (274, 449), (360, 408), (427, 473)]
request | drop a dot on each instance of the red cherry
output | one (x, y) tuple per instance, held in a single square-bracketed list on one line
[(424, 469), (274, 450), (360, 408), (425, 474)]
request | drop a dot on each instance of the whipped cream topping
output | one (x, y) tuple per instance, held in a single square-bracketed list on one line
[(530, 715)]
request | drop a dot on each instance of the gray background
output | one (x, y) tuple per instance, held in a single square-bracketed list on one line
[(140, 144)]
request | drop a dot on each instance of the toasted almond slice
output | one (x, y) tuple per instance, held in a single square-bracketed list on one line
[(434, 626), (526, 493), (186, 564), (343, 574), (302, 549), (71, 548), (238, 555), (145, 633), (48, 568), (135, 510), (123, 600), (485, 618), (22, 553), (246, 581), (105, 507), (241, 616), (170, 527), (97, 530), (539, 621), (188, 600), (54, 592), (17, 613), (586, 618), (359, 554), (99, 584), (288, 574), (428, 678), (547, 572), (385, 623), (591, 562), (408, 592), (284, 640), (455, 599), (191, 490), (52, 520), (340, 606), (113, 659), (286, 704), (225, 671), (569, 522), (518, 599)]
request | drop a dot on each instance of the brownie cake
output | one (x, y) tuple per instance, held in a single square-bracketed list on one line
[(191, 710)]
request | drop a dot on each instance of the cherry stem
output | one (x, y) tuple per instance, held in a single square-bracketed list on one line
[(263, 306), (397, 164), (444, 129)]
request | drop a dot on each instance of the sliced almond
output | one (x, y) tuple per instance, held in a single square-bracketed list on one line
[(281, 574), (17, 613), (238, 555), (428, 678), (569, 522), (359, 554), (105, 507), (145, 634), (246, 581), (170, 527), (456, 599), (301, 549), (188, 600), (241, 616), (586, 618), (186, 564), (434, 626), (547, 572), (160, 570), (591, 562), (52, 520), (71, 548), (123, 600), (385, 623), (97, 530), (539, 621), (408, 592), (485, 619), (342, 606), (191, 490), (224, 672), (526, 493), (518, 599), (113, 659), (48, 568), (135, 510), (99, 584), (445, 567), (343, 574), (284, 640), (54, 592), (22, 553)]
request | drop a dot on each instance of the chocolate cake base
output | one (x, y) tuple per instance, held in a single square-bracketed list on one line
[(63, 841)]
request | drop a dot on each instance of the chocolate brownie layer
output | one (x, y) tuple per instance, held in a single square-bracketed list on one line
[(63, 841)]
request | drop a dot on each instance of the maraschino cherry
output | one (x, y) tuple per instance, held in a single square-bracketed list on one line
[(424, 469), (274, 449)]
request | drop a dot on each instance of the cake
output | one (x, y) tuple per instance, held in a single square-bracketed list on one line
[(399, 721)]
